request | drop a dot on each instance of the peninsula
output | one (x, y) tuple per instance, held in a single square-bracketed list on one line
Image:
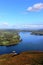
[(8, 38)]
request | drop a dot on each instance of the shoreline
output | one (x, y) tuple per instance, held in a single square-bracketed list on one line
[(30, 52)]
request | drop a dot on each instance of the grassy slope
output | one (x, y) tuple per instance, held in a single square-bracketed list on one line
[(25, 58)]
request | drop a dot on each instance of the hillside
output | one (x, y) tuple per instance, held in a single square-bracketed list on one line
[(25, 58)]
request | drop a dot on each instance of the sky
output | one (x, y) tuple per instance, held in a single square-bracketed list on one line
[(21, 13)]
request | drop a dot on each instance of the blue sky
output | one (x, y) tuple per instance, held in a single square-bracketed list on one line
[(21, 13)]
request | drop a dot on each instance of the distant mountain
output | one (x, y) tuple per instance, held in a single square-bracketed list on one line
[(41, 30)]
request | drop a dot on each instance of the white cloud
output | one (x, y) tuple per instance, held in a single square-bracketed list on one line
[(35, 7), (33, 26), (5, 24), (29, 26)]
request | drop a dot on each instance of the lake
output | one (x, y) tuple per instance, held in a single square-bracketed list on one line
[(29, 43)]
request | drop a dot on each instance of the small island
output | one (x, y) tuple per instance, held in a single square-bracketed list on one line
[(36, 33), (8, 38)]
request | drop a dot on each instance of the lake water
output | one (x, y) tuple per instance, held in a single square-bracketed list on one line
[(29, 43)]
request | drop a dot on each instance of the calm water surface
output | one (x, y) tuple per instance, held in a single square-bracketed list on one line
[(29, 42)]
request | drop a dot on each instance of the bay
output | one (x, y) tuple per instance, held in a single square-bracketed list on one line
[(29, 43)]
